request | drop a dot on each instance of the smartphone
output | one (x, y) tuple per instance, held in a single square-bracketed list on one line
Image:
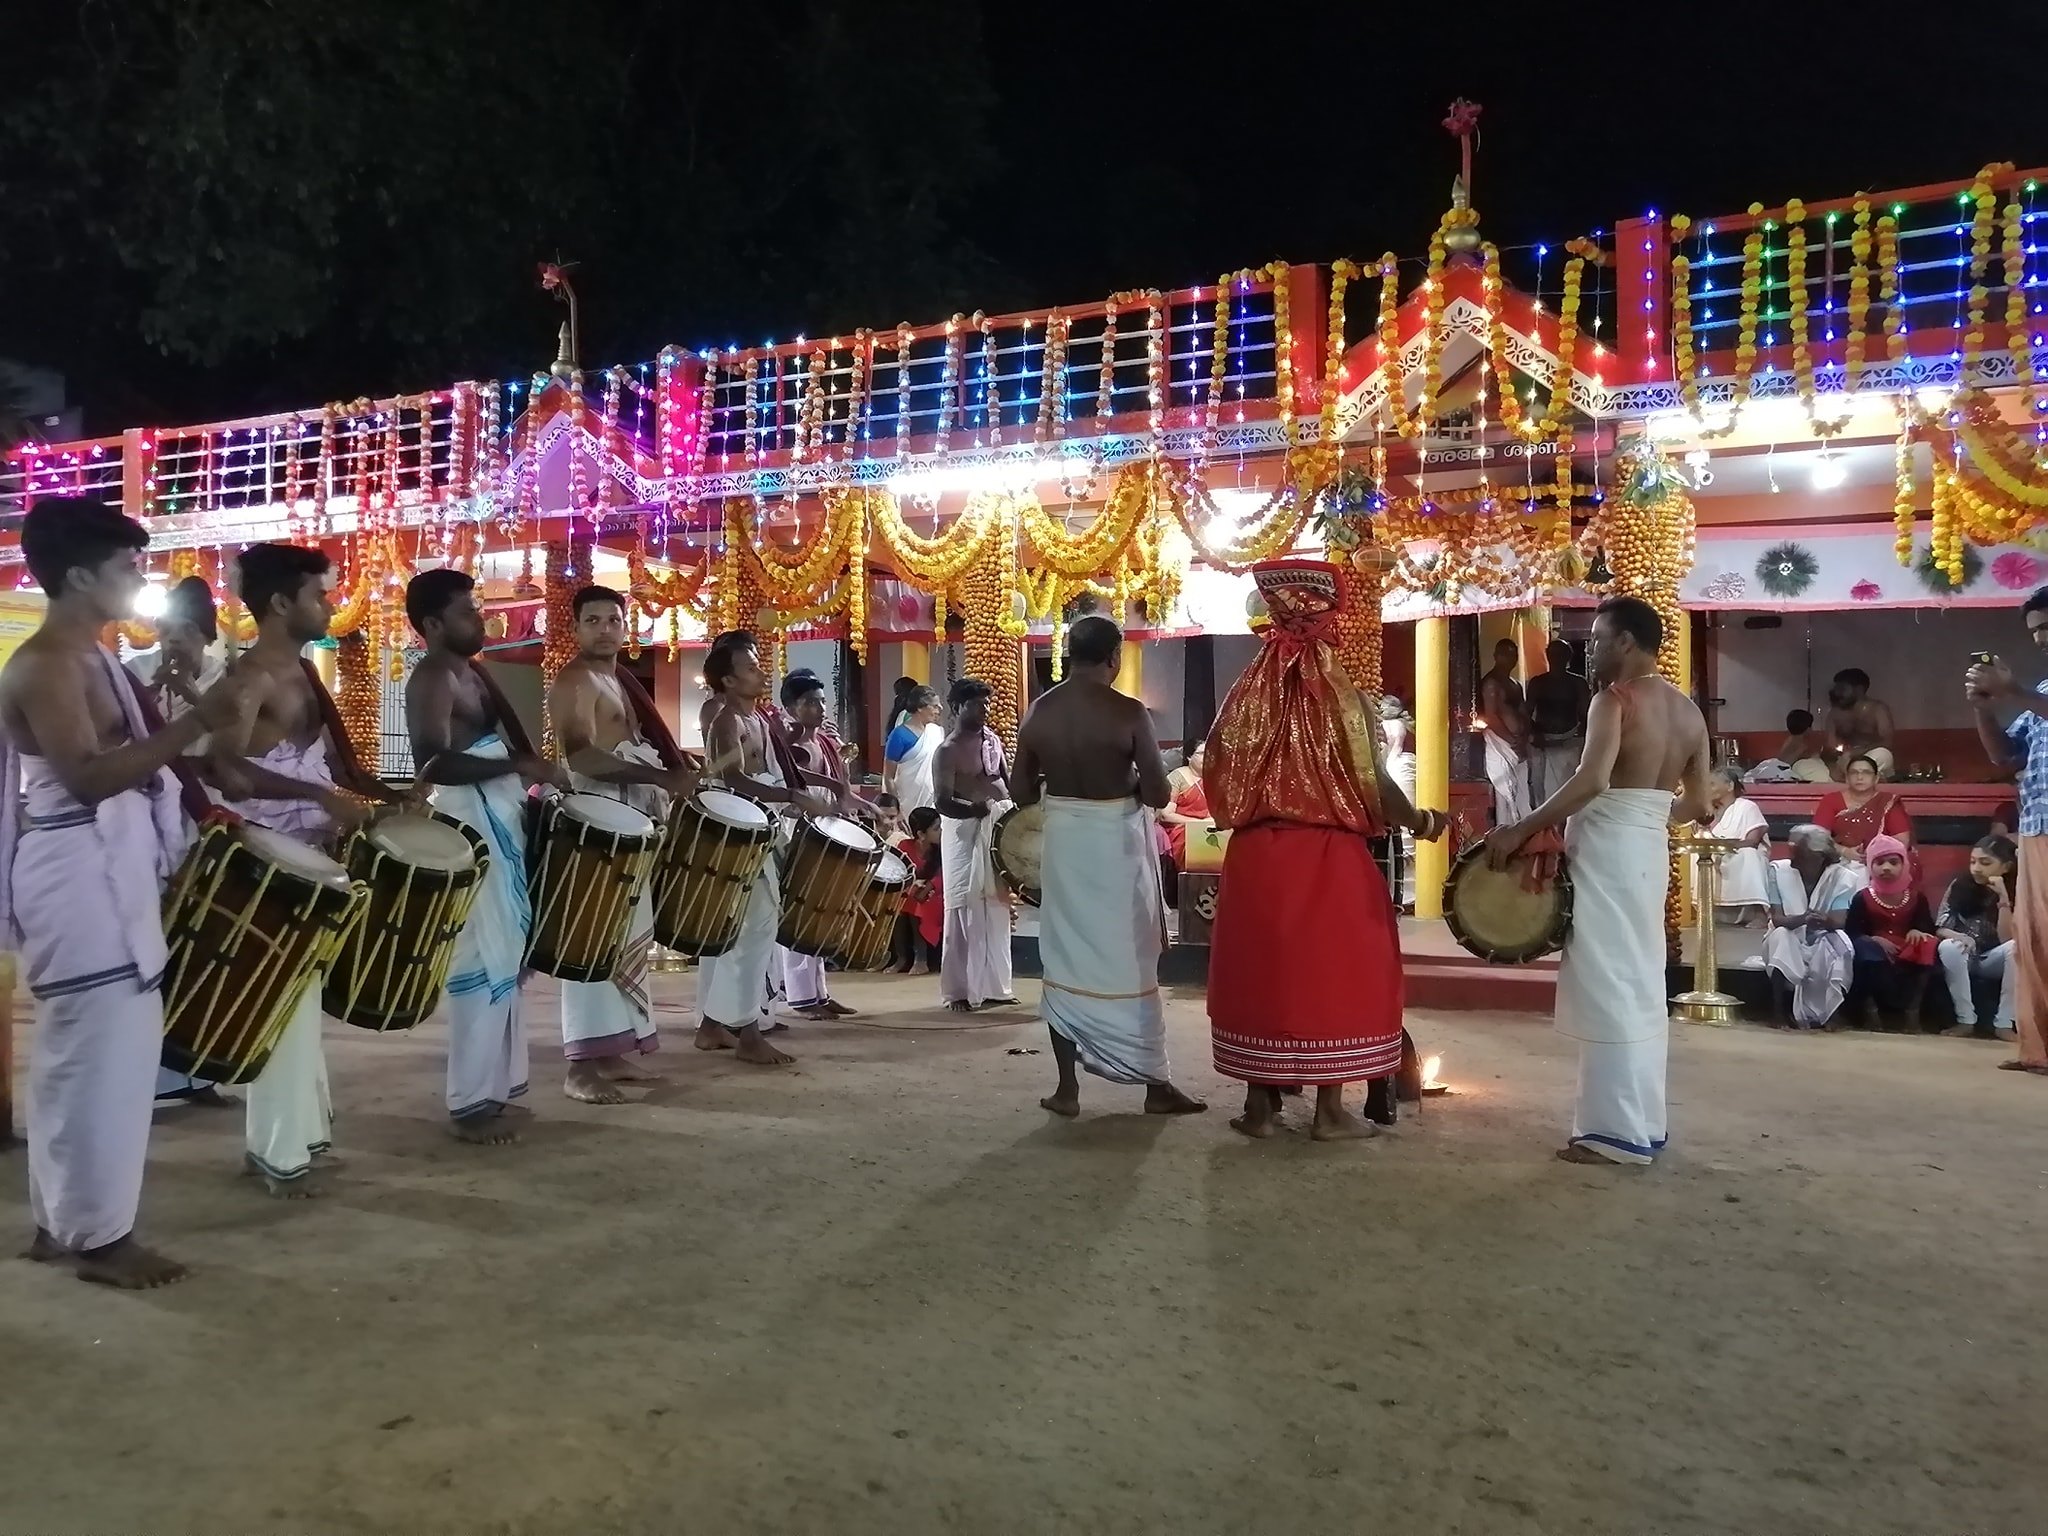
[(1983, 659)]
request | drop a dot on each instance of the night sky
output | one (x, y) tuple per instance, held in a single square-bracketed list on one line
[(213, 210)]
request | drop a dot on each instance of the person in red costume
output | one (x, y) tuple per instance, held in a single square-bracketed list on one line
[(1305, 961)]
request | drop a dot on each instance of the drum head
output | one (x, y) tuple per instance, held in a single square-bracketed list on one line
[(1494, 916), (894, 868), (606, 814), (1019, 840), (422, 842), (733, 810), (848, 834), (288, 853)]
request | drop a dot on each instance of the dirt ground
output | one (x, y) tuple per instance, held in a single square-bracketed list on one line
[(883, 1292)]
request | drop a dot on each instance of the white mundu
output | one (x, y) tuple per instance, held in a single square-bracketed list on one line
[(1610, 986), (974, 964), (1100, 930), (614, 1017), (486, 1039)]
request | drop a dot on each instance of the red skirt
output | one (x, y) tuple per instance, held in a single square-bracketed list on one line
[(1305, 960)]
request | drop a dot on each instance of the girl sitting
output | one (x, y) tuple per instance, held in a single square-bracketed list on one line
[(1892, 932), (1975, 930)]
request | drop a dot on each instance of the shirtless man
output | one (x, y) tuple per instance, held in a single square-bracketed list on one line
[(470, 746), (1090, 751), (1643, 736), (290, 772), (1557, 702), (82, 868), (733, 987), (605, 1024), (1506, 737), (972, 785), (1858, 725)]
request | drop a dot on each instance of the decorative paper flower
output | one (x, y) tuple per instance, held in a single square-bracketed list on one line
[(1786, 570), (1725, 587), (2016, 572), (1935, 579), (1866, 592)]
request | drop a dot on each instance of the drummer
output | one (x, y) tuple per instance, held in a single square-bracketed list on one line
[(468, 744), (292, 769), (615, 745), (824, 769), (750, 756)]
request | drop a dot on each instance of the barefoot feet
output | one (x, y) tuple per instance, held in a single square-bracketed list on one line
[(485, 1130), (714, 1036), (756, 1052), (587, 1084), (124, 1263), (1261, 1117), (1165, 1099), (1339, 1124), (626, 1069), (1065, 1102), (298, 1187)]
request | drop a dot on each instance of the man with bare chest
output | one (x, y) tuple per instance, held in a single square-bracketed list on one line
[(469, 745), (1642, 737), (747, 758), (90, 829), (291, 768), (1506, 735), (1858, 725), (1091, 753), (972, 785), (607, 730)]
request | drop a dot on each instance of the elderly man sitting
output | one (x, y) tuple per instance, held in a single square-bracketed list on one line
[(1806, 952)]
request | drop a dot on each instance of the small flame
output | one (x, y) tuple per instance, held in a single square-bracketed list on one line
[(1431, 1065)]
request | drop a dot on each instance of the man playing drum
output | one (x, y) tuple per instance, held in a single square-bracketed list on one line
[(1090, 751), (819, 761), (747, 756), (1642, 737), (1305, 960), (972, 788), (599, 725), (470, 746), (292, 769), (90, 827)]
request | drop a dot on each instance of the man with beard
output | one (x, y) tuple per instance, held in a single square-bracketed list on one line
[(468, 744)]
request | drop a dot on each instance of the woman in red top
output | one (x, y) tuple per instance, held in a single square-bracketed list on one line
[(1190, 804), (1860, 810), (1892, 930)]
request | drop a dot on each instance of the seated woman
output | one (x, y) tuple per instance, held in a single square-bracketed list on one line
[(1189, 807), (1806, 952), (1743, 871), (1892, 931), (1975, 930), (1861, 810)]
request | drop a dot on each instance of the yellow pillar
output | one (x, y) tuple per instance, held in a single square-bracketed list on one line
[(1130, 670), (1432, 756), (917, 660), (1534, 638), (1680, 642)]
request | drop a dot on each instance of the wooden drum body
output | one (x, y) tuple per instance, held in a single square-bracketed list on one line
[(864, 946), (423, 874), (715, 846), (824, 876), (249, 919), (1017, 843), (590, 855), (1495, 915)]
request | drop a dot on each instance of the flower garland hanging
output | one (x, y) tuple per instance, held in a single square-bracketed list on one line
[(1946, 572)]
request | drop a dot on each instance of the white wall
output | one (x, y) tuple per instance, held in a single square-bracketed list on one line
[(1915, 658)]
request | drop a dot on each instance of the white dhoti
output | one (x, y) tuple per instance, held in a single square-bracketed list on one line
[(1744, 873), (290, 1115), (803, 979), (82, 886), (1508, 772), (1610, 985), (486, 1038), (615, 1017), (974, 962), (1101, 927), (1814, 962), (734, 988), (1401, 769), (1552, 764)]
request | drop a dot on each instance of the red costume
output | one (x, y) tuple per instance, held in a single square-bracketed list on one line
[(1305, 962), (1192, 802)]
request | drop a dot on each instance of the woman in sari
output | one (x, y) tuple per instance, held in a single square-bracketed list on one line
[(1189, 807), (1806, 953), (909, 758), (1861, 810), (1744, 871)]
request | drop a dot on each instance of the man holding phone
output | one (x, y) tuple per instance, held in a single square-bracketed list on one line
[(2022, 749)]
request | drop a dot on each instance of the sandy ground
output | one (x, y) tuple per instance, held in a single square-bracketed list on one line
[(882, 1292)]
